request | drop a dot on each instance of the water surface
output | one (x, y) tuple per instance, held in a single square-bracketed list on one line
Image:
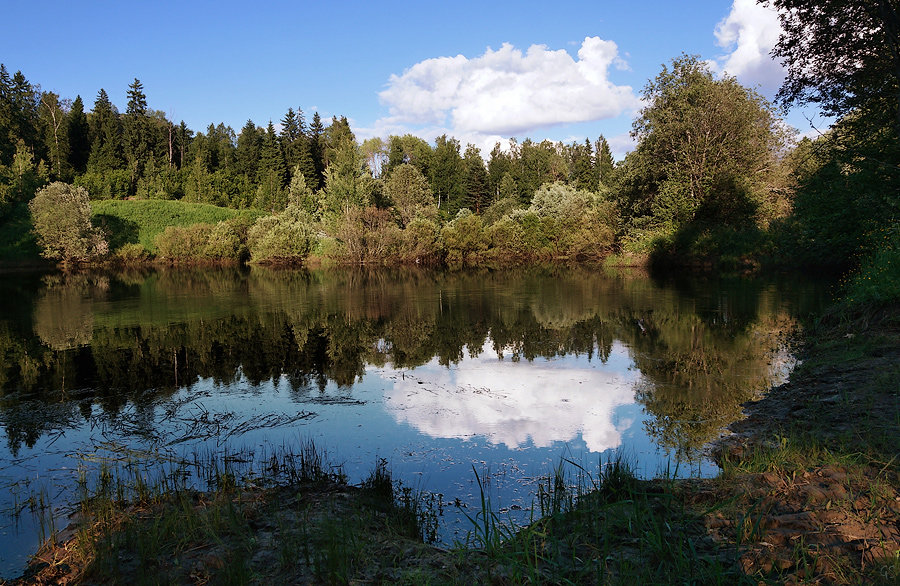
[(444, 375)]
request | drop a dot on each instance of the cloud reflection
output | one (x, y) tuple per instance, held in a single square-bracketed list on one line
[(510, 403)]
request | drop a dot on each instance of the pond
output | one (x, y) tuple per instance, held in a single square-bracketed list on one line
[(451, 377)]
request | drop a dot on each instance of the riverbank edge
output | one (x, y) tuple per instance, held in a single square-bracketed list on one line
[(809, 493)]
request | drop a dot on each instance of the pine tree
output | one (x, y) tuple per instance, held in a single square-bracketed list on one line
[(19, 119), (289, 138), (183, 136), (79, 137)]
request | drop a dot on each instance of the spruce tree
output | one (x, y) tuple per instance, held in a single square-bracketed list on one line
[(447, 175), (289, 137), (79, 137), (249, 143), (271, 156), (603, 161), (317, 152), (136, 132), (106, 139), (477, 191), (581, 165)]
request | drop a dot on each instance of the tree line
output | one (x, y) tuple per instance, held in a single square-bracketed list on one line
[(715, 174)]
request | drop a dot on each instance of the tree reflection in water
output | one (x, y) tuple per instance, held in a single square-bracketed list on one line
[(701, 348)]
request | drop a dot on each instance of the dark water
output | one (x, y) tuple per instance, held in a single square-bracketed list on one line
[(439, 373)]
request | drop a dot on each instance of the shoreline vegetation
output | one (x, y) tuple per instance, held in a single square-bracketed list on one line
[(808, 493)]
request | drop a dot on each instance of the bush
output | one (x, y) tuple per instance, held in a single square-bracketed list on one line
[(421, 241), (183, 243), (228, 240), (287, 237), (506, 237), (132, 253), (61, 215), (464, 238), (369, 234)]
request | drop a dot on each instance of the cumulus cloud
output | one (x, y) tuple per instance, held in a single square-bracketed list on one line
[(749, 33), (507, 92), (514, 403)]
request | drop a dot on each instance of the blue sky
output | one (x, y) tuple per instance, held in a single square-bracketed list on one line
[(480, 71)]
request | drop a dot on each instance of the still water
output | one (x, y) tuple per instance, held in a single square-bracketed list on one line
[(444, 375)]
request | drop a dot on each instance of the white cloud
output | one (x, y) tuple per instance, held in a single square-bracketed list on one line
[(511, 403), (508, 92), (749, 33)]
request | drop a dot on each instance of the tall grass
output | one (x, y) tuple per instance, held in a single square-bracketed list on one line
[(603, 526)]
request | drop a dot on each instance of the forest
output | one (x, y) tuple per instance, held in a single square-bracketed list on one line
[(716, 179)]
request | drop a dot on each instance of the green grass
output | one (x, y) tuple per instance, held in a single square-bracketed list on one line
[(140, 221), (606, 527)]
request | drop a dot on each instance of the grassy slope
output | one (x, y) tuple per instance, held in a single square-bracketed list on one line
[(141, 220)]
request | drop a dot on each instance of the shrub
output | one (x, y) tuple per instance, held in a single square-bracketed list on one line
[(506, 237), (421, 241), (132, 253), (228, 240), (183, 243), (61, 215), (287, 237), (464, 238), (369, 234)]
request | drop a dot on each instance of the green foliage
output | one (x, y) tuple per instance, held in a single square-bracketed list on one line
[(159, 182), (409, 193), (106, 136), (79, 136), (447, 175), (507, 238), (878, 280), (301, 195), (368, 234), (348, 182), (287, 237), (704, 145), (843, 55), (20, 181), (228, 239), (61, 215), (465, 240), (17, 239), (420, 241), (183, 243), (108, 184), (132, 253)]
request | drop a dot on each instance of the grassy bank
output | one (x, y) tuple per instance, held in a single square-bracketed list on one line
[(140, 221)]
